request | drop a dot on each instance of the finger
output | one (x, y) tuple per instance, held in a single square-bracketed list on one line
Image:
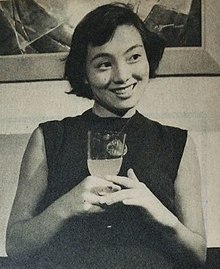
[(113, 187), (109, 185), (134, 202), (106, 190), (91, 198), (123, 181), (97, 209), (87, 206), (93, 208), (132, 175), (105, 183), (102, 193), (96, 182), (117, 197)]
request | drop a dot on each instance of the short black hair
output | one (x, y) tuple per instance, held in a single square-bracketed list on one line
[(97, 28)]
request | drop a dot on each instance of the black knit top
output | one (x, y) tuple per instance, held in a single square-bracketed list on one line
[(119, 237)]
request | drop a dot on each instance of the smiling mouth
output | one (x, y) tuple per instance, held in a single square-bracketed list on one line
[(124, 91)]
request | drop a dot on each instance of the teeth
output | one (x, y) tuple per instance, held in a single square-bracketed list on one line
[(123, 90)]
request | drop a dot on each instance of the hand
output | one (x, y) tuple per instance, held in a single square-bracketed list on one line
[(138, 194), (85, 197)]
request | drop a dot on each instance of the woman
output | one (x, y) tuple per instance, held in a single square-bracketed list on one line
[(61, 214)]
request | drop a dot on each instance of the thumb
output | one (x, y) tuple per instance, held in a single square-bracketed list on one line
[(132, 175)]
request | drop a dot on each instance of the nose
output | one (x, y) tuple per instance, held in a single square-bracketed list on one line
[(121, 74)]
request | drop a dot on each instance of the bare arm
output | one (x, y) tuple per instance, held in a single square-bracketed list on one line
[(190, 227), (188, 234), (27, 232)]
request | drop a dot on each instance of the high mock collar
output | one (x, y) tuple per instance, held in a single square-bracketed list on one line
[(104, 113), (92, 116)]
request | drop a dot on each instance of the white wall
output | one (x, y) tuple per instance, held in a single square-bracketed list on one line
[(192, 103), (212, 25)]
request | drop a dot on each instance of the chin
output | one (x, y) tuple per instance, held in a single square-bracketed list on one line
[(122, 110), (127, 104)]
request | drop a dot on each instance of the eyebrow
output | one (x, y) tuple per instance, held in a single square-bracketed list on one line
[(133, 47), (103, 54), (100, 55)]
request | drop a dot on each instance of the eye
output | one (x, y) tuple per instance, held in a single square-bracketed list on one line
[(104, 66), (134, 58)]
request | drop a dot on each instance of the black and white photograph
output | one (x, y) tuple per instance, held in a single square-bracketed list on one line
[(109, 134)]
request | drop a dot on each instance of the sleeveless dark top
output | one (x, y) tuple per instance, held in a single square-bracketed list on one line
[(154, 152)]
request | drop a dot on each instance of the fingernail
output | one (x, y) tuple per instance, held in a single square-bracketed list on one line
[(116, 188), (102, 200), (101, 193)]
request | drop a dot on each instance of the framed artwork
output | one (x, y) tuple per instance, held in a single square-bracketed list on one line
[(35, 35)]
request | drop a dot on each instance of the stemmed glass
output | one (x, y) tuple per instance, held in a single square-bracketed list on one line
[(105, 152), (105, 155)]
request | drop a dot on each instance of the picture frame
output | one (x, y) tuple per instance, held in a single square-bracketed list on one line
[(177, 61), (202, 60)]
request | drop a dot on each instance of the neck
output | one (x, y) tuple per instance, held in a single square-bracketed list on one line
[(103, 112)]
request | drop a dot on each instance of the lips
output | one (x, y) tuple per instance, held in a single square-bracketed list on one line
[(124, 92)]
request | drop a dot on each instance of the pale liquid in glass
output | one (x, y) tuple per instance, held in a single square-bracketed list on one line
[(104, 167)]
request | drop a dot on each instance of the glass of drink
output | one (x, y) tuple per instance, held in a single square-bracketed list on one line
[(105, 152)]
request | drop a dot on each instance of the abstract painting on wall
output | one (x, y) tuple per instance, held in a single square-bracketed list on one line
[(29, 26), (35, 35)]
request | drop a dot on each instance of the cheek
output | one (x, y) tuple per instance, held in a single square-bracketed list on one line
[(99, 80), (142, 71), (146, 69)]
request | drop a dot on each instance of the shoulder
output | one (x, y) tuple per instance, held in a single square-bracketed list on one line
[(190, 156), (169, 141), (56, 125), (164, 131), (34, 158), (57, 128), (67, 121), (36, 142), (189, 170), (56, 132)]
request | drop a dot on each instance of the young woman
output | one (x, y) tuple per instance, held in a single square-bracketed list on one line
[(61, 214)]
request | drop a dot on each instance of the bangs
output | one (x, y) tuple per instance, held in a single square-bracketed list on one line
[(102, 26)]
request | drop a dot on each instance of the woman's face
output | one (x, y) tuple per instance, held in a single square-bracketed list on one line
[(118, 71)]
